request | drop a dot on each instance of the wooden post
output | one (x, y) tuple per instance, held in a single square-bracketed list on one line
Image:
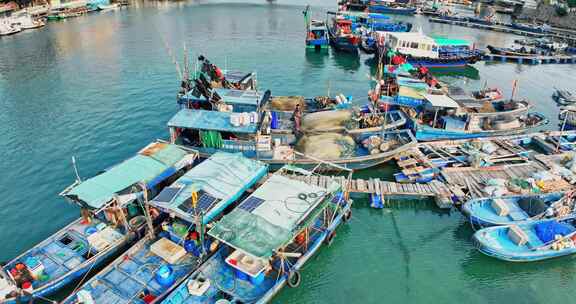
[(147, 209)]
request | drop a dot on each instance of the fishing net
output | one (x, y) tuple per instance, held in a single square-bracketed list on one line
[(325, 120), (287, 103), (326, 145)]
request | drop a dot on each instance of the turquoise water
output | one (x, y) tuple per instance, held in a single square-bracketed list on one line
[(102, 86)]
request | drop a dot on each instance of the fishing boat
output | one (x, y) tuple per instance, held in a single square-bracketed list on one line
[(521, 51), (564, 97), (154, 266), (25, 21), (532, 28), (342, 38), (516, 209), (316, 32), (108, 7), (385, 7), (422, 50), (252, 135), (7, 28), (352, 122), (112, 218), (291, 221), (66, 12), (212, 77), (287, 104), (568, 117), (477, 96), (528, 241)]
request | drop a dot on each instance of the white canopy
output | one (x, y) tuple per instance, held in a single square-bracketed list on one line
[(441, 101)]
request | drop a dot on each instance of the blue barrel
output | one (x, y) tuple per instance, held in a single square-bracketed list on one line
[(376, 201), (165, 276), (274, 122)]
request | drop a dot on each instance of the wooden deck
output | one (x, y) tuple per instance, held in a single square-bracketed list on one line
[(385, 189)]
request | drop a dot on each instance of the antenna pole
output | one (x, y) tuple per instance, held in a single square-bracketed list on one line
[(76, 169)]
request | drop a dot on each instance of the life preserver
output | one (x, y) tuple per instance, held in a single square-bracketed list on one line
[(329, 238), (347, 215), (294, 279)]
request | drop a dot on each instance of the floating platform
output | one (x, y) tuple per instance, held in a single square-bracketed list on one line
[(502, 28), (531, 59)]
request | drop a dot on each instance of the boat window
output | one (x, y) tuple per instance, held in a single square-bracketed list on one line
[(414, 45)]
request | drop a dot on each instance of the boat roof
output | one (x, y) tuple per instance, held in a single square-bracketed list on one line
[(218, 181), (151, 165), (271, 215), (208, 120), (412, 36), (244, 97), (236, 76), (440, 101), (452, 42)]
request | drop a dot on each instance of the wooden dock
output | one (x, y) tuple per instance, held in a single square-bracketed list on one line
[(503, 28), (564, 59), (385, 189)]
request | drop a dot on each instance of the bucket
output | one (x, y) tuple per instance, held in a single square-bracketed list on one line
[(165, 276), (274, 121)]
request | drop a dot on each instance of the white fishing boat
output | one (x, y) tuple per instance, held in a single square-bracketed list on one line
[(25, 21), (6, 28), (108, 7)]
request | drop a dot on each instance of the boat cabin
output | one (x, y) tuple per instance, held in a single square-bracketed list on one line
[(419, 45), (227, 100)]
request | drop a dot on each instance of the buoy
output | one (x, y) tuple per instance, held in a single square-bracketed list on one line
[(294, 279)]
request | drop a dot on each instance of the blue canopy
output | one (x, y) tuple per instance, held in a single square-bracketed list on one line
[(208, 120), (151, 165), (218, 182)]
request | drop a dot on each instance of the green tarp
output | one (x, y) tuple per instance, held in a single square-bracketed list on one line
[(144, 167), (224, 176), (270, 217), (452, 42)]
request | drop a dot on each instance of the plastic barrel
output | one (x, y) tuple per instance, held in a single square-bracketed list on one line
[(274, 121), (165, 276)]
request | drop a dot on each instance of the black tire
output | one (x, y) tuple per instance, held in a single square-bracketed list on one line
[(329, 238), (347, 216), (294, 279)]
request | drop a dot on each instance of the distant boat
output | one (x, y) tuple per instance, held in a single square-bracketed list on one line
[(515, 209), (7, 28), (316, 32), (564, 97), (107, 7), (532, 28), (529, 241), (383, 7), (25, 21), (342, 37)]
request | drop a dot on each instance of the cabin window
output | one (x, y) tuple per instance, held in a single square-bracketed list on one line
[(413, 45), (423, 46)]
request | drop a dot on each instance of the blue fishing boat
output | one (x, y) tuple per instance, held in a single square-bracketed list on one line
[(528, 241), (532, 28), (316, 32), (211, 77), (441, 117), (342, 37), (289, 218), (154, 266), (515, 209), (112, 218), (422, 50), (252, 135), (385, 7)]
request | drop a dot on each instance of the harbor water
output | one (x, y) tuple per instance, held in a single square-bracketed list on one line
[(102, 86)]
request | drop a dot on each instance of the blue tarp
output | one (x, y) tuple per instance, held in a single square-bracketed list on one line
[(546, 231), (208, 120), (223, 176)]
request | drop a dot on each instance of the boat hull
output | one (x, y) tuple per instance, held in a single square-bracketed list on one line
[(383, 9)]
